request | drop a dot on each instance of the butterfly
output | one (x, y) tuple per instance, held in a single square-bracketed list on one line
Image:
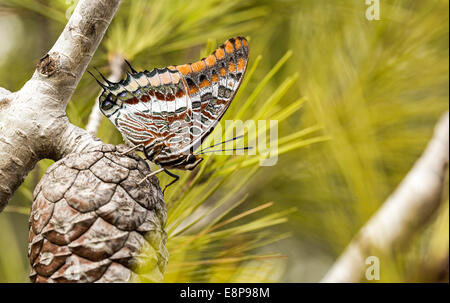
[(170, 111)]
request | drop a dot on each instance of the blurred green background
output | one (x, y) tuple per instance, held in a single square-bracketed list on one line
[(356, 101)]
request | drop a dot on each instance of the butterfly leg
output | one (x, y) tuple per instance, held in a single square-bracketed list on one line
[(151, 174), (176, 177), (131, 149)]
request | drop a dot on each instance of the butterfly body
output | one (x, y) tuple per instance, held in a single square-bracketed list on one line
[(170, 111)]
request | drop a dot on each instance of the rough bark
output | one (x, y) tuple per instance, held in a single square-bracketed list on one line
[(408, 209), (33, 123)]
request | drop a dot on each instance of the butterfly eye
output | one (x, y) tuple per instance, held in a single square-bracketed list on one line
[(107, 103), (191, 159)]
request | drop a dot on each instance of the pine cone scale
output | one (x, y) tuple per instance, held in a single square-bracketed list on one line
[(92, 222)]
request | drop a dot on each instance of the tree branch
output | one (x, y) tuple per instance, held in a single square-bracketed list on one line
[(409, 208), (33, 123)]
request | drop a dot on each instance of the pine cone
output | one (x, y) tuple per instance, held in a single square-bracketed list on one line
[(91, 221)]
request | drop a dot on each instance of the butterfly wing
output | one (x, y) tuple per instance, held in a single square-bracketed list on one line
[(211, 85), (133, 118), (172, 110)]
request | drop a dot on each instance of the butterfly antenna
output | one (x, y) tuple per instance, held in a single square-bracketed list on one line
[(103, 77), (223, 142), (129, 65), (101, 84), (223, 150)]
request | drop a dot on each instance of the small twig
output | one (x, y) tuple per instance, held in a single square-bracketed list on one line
[(116, 68), (17, 209), (408, 209)]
